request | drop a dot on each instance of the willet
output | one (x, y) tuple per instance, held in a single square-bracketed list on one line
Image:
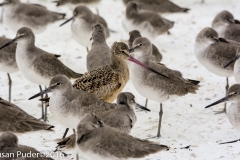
[(36, 65), (233, 111), (14, 119), (100, 53), (150, 24), (153, 86), (226, 26), (214, 52), (156, 55), (17, 15), (159, 6), (122, 118), (62, 2), (107, 81), (8, 62), (98, 141), (82, 22), (12, 150)]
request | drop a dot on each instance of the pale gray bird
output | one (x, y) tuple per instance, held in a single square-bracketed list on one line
[(9, 146), (14, 119), (214, 53), (37, 65), (159, 6), (233, 111), (153, 86), (122, 118), (82, 22), (100, 53), (8, 62), (150, 24), (62, 2), (17, 15), (226, 26), (98, 141)]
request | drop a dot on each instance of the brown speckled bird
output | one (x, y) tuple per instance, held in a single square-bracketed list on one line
[(107, 81)]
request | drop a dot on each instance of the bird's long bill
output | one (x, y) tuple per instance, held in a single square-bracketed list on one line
[(57, 3), (67, 21), (10, 42), (141, 107), (232, 61), (217, 102), (223, 40), (145, 66), (1, 4), (43, 92)]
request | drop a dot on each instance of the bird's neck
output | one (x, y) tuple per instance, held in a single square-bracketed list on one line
[(119, 64)]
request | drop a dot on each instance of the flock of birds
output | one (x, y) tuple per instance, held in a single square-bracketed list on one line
[(101, 128)]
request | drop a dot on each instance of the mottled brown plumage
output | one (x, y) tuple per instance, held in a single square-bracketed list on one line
[(9, 144), (107, 81), (13, 118)]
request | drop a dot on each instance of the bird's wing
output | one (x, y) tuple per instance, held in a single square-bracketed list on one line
[(99, 81)]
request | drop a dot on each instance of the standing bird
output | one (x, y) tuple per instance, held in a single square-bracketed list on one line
[(150, 24), (17, 15), (226, 26), (108, 81), (98, 141), (153, 86), (8, 62), (14, 119), (214, 53), (82, 22), (122, 118), (36, 65), (9, 146), (156, 55), (100, 53), (62, 2), (159, 6), (233, 111)]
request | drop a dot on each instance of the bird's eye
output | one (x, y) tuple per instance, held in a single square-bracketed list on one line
[(58, 84), (122, 51), (235, 93), (211, 37), (140, 45), (75, 13)]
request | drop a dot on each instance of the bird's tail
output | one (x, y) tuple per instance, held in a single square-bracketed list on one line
[(192, 86)]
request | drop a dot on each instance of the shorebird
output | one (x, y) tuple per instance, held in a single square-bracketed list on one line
[(14, 119), (107, 81), (12, 150), (226, 26), (156, 55), (100, 53), (17, 15), (37, 65), (233, 111), (159, 6), (8, 62), (82, 22), (68, 105), (122, 118), (214, 53), (150, 24), (153, 86), (62, 2), (98, 141)]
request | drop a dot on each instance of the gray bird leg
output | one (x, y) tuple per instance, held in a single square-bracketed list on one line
[(160, 121), (1, 18), (225, 104), (45, 117), (10, 87), (42, 103), (146, 103)]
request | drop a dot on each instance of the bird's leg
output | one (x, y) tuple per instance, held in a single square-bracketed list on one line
[(10, 87), (42, 103), (230, 141), (1, 19), (74, 131), (160, 120), (225, 104), (65, 133), (146, 103), (45, 117), (87, 49), (77, 157)]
